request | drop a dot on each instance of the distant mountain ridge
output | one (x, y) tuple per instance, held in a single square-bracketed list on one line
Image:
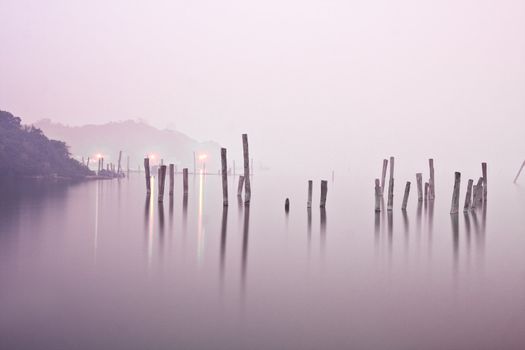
[(136, 139)]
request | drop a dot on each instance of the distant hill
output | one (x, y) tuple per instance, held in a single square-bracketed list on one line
[(136, 139), (26, 151)]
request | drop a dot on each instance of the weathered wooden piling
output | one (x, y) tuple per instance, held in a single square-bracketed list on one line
[(310, 190), (383, 175), (172, 179), (427, 190), (377, 196), (148, 177), (431, 181), (419, 182), (98, 167), (185, 180), (519, 171), (390, 201), (102, 163), (240, 185), (119, 162), (287, 205), (224, 166), (484, 172), (455, 194), (405, 196), (247, 185), (324, 191), (87, 163), (480, 192), (468, 196), (161, 180)]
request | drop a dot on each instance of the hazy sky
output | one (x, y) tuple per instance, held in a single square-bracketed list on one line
[(325, 77)]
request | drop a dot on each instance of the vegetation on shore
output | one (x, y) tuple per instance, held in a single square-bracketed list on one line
[(26, 152)]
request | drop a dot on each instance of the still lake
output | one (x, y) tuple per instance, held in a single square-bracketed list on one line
[(96, 265)]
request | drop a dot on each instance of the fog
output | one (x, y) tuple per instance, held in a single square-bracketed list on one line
[(314, 83)]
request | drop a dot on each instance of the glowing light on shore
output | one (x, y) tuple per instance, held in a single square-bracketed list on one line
[(203, 156), (98, 155)]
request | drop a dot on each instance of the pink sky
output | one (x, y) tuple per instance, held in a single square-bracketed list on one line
[(320, 75)]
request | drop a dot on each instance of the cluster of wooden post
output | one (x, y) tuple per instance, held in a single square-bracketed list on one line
[(476, 195), (379, 188)]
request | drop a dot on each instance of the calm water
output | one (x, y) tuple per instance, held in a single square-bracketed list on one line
[(97, 266)]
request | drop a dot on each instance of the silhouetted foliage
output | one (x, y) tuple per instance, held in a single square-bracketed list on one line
[(26, 151)]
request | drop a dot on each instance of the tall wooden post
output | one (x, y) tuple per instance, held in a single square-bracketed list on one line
[(468, 196), (310, 190), (484, 172), (185, 180), (240, 186), (383, 175), (427, 190), (148, 177), (377, 196), (162, 178), (419, 181), (519, 171), (405, 197), (224, 165), (324, 191), (455, 194), (172, 178), (247, 186), (431, 182), (390, 201), (102, 163), (118, 164), (480, 192)]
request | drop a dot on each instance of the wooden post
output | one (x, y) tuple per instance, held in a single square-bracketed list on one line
[(431, 181), (118, 164), (241, 184), (324, 190), (405, 197), (247, 186), (172, 178), (419, 181), (455, 194), (224, 164), (427, 186), (233, 168), (287, 205), (162, 178), (87, 163), (310, 190), (102, 163), (377, 196), (148, 179), (390, 201), (519, 171), (480, 192), (383, 175), (468, 197), (98, 167), (484, 172), (185, 180)]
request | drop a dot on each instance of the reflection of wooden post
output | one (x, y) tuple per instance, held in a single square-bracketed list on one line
[(310, 190), (431, 182), (172, 178), (324, 190), (377, 196), (241, 184), (185, 180), (383, 175), (224, 164), (162, 177), (148, 179), (247, 186), (390, 201), (468, 197), (484, 172), (519, 171), (419, 180), (455, 194), (405, 197)]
